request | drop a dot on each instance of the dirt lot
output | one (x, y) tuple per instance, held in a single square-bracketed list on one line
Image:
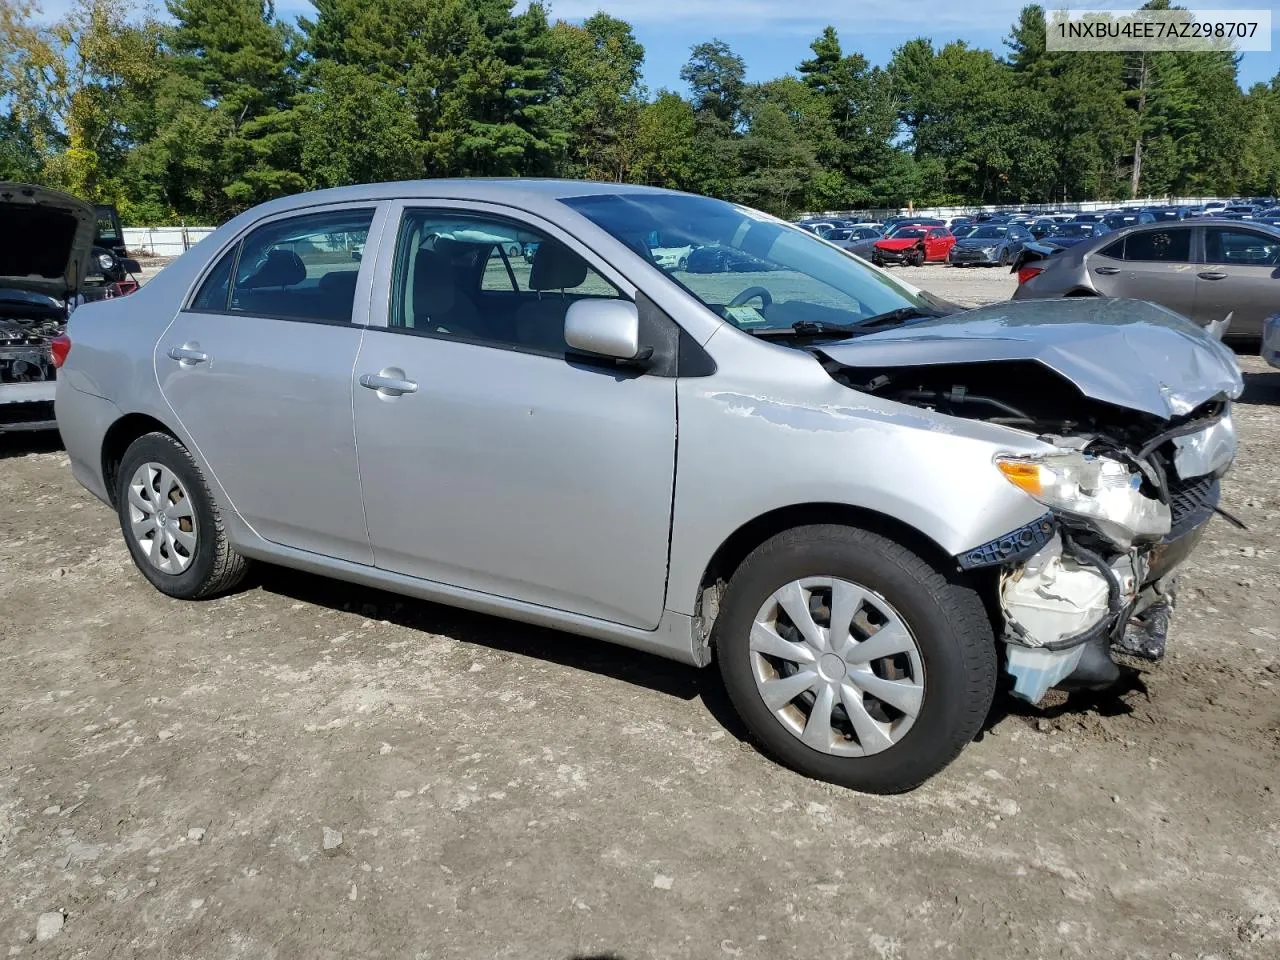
[(168, 772)]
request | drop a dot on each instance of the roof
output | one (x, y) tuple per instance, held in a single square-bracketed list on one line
[(523, 192)]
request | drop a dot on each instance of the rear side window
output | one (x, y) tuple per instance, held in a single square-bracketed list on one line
[(1157, 246), (302, 268), (217, 285)]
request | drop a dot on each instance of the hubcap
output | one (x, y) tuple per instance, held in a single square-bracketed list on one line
[(161, 518), (837, 666)]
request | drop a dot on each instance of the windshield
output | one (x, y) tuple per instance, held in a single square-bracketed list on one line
[(988, 232), (777, 275), (906, 233), (1072, 230)]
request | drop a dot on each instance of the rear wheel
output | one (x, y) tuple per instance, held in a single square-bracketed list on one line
[(171, 523), (1004, 256), (853, 660)]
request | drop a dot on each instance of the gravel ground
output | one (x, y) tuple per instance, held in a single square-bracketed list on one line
[(174, 776)]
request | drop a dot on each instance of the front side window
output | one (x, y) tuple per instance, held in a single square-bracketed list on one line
[(487, 280), (302, 268), (1240, 247), (1159, 246), (751, 269)]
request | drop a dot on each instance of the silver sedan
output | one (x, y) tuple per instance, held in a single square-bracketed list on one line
[(862, 503), (1218, 273)]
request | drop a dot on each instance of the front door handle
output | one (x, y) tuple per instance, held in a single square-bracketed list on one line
[(188, 354), (1106, 271), (389, 382), (1212, 275)]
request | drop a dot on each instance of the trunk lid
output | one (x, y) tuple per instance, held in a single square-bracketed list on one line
[(46, 240), (1128, 353)]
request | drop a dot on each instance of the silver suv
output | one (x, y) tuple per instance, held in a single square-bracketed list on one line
[(863, 503)]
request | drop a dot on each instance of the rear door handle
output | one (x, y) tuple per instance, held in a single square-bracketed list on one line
[(1106, 271), (188, 354), (389, 382), (1212, 275)]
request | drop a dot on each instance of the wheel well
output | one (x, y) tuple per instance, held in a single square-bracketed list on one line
[(752, 534), (119, 437), (1080, 292)]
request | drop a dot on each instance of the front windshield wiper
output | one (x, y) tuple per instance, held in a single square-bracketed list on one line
[(819, 328)]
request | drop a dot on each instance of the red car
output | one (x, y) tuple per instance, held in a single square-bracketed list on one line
[(913, 245)]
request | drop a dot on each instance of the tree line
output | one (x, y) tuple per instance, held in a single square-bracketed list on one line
[(224, 104)]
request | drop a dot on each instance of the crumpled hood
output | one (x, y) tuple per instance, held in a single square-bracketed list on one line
[(46, 240), (1129, 353), (898, 243)]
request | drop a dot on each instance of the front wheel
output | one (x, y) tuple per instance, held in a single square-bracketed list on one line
[(853, 660), (171, 523), (1004, 257)]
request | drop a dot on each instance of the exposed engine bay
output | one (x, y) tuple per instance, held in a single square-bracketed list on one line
[(1127, 496), (24, 347)]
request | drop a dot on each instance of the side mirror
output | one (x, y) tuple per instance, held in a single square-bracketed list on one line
[(605, 328), (129, 265)]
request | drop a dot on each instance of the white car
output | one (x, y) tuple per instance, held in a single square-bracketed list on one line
[(1271, 340), (672, 258)]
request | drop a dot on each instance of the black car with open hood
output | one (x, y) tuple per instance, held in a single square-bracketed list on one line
[(48, 265)]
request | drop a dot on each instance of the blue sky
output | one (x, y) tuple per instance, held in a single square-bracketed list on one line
[(773, 36)]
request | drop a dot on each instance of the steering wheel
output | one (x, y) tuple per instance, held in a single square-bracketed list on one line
[(766, 299)]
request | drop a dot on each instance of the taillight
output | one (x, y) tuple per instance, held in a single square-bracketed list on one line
[(1026, 273), (59, 347)]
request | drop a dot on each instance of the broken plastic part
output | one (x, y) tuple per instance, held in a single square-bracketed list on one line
[(1055, 598), (1211, 450), (1035, 671)]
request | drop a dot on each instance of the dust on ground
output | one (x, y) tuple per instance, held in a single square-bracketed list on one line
[(174, 776)]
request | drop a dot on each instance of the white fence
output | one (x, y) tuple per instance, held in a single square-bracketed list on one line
[(163, 241)]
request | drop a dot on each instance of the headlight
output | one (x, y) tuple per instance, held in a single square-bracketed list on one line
[(106, 261), (1102, 492)]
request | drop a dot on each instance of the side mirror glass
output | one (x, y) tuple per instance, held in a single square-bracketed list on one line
[(605, 328)]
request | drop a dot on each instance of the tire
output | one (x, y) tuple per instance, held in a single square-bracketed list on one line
[(917, 258), (683, 264), (211, 566), (945, 621), (1004, 257)]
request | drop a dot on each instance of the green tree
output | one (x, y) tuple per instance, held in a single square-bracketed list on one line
[(235, 78), (666, 144), (596, 95), (353, 129)]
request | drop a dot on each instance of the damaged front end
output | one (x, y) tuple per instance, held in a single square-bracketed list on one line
[(1129, 476)]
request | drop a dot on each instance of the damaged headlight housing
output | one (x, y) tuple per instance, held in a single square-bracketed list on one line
[(1102, 492)]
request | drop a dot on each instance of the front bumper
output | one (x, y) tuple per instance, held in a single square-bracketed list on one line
[(972, 256), (893, 256)]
